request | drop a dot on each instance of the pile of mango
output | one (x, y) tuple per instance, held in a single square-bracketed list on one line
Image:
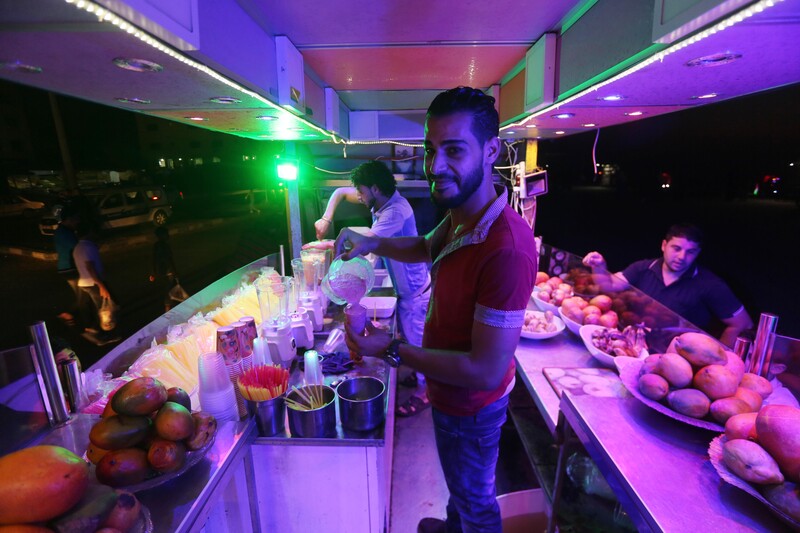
[(48, 488), (764, 449), (146, 429), (698, 377)]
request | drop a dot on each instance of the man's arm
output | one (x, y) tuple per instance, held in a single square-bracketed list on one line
[(323, 225), (93, 273), (734, 325), (606, 280), (351, 244), (481, 368)]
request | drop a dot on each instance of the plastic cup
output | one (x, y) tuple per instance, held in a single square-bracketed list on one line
[(355, 318), (312, 368), (335, 337), (212, 374)]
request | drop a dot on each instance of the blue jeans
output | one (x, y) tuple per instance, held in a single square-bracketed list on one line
[(468, 448)]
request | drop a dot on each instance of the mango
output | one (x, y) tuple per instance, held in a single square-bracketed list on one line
[(700, 349), (40, 483), (757, 383), (753, 400), (139, 397), (741, 426), (675, 369), (125, 513), (174, 422), (649, 364), (87, 515), (95, 453), (166, 455), (180, 396), (123, 467), (715, 381), (735, 364), (118, 431), (751, 462), (653, 386), (724, 408), (689, 402), (785, 496), (778, 429), (205, 427)]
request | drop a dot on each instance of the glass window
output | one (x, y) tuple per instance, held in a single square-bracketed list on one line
[(112, 201)]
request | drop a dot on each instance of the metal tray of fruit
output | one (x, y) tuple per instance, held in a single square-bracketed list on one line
[(629, 374), (145, 522), (715, 455), (155, 479)]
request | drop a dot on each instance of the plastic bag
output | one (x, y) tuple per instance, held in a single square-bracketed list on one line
[(178, 293), (108, 314)]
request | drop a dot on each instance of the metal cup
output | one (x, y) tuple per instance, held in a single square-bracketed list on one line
[(319, 422), (270, 415), (361, 403)]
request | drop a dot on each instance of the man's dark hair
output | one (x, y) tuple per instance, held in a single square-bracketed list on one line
[(485, 121), (374, 173), (690, 232)]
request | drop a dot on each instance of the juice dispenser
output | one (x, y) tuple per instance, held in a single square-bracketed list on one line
[(323, 260), (273, 300), (305, 275), (302, 328)]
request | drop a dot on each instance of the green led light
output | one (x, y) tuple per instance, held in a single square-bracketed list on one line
[(287, 171)]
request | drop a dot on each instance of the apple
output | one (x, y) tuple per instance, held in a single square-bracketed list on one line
[(592, 319), (592, 310), (602, 301), (541, 277), (609, 319)]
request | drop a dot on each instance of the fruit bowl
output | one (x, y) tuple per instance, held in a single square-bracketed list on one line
[(574, 327), (156, 479), (539, 335), (606, 359)]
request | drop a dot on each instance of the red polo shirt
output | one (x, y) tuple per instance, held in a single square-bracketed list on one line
[(487, 276)]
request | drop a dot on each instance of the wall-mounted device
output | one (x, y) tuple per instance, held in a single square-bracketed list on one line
[(533, 184)]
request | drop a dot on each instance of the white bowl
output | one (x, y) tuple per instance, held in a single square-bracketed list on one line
[(544, 334), (379, 306), (573, 326), (586, 332), (542, 305)]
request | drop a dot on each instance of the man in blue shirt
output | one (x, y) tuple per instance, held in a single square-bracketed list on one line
[(65, 240), (676, 281)]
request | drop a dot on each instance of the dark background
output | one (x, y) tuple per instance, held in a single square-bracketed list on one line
[(714, 156)]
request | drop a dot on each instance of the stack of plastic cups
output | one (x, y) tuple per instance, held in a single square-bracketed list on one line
[(217, 396)]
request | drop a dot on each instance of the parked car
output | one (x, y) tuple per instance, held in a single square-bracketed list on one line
[(13, 205), (118, 207)]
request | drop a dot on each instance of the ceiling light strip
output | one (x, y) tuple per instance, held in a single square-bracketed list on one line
[(736, 18), (104, 15)]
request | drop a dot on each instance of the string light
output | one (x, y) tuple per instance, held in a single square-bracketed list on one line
[(722, 25)]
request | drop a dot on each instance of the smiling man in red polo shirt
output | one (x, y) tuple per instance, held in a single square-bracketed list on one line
[(484, 268)]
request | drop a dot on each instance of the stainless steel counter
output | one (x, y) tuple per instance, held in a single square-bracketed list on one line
[(565, 351), (659, 469)]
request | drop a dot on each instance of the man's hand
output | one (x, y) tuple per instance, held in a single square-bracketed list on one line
[(596, 261), (373, 344), (350, 244), (322, 226)]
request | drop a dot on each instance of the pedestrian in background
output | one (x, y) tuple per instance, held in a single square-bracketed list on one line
[(93, 287)]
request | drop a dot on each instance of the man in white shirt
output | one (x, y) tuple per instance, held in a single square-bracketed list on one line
[(392, 216)]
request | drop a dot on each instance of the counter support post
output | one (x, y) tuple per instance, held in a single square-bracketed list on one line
[(564, 436)]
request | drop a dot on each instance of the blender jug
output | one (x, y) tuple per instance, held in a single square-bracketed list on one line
[(273, 293), (305, 275)]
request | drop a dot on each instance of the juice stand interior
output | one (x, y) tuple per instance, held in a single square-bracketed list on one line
[(332, 84)]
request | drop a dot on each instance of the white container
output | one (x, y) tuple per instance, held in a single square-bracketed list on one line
[(379, 306), (523, 511)]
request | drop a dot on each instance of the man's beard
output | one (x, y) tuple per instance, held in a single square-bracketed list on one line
[(468, 186)]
